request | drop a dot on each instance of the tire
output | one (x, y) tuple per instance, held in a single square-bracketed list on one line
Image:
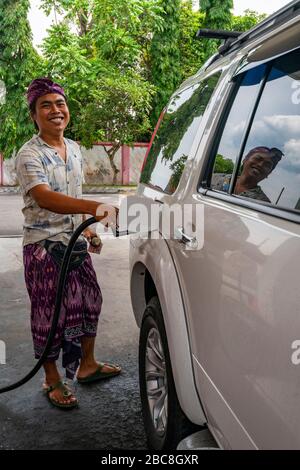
[(158, 396)]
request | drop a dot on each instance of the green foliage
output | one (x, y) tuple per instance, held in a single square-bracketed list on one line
[(217, 16), (177, 168), (101, 79), (68, 64), (191, 49), (247, 21), (122, 28), (19, 63), (223, 165), (117, 110), (165, 56), (57, 5), (175, 123), (217, 13), (116, 28), (119, 66), (99, 66)]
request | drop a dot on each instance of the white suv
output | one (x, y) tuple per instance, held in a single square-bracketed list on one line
[(218, 308)]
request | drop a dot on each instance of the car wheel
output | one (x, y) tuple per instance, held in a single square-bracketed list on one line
[(165, 423)]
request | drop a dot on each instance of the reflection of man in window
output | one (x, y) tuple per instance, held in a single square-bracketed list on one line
[(257, 165)]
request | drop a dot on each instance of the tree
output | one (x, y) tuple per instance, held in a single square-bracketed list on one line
[(217, 16), (165, 56), (217, 13), (117, 112), (19, 64), (117, 52), (191, 49), (117, 29), (223, 165), (99, 66), (249, 19)]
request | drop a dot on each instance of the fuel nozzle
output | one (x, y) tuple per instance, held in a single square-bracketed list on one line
[(95, 245), (95, 242)]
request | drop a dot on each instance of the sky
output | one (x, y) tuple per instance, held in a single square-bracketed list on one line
[(39, 22), (260, 6)]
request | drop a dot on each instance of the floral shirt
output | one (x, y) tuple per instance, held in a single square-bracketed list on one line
[(39, 163)]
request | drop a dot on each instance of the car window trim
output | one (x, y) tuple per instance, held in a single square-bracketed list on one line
[(259, 206), (246, 65), (205, 178), (207, 169), (248, 127)]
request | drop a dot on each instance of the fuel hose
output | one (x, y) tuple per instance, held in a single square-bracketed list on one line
[(59, 294)]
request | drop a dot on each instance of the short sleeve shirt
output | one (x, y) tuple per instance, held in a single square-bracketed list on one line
[(39, 163), (223, 183)]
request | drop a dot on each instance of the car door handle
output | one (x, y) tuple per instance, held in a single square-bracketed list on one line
[(191, 242)]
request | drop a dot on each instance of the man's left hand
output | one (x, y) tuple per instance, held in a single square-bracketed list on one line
[(89, 234)]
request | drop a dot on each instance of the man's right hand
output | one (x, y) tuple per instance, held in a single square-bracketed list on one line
[(107, 215)]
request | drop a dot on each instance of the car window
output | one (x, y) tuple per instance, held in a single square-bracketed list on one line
[(270, 169), (173, 141), (234, 130)]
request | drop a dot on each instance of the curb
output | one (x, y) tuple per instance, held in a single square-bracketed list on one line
[(108, 190), (10, 190)]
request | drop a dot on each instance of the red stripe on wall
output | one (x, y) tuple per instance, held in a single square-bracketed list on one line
[(125, 164)]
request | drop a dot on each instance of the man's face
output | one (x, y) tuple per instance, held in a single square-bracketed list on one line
[(51, 113), (258, 166)]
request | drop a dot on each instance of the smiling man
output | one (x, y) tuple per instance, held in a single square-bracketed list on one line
[(258, 164), (49, 169)]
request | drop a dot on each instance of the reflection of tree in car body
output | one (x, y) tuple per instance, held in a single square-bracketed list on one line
[(177, 167), (223, 165), (174, 126)]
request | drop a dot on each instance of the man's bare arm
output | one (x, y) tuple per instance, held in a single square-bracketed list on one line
[(60, 203)]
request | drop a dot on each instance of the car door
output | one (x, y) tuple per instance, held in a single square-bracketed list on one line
[(240, 285)]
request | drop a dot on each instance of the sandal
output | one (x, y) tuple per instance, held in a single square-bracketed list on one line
[(99, 375), (66, 393)]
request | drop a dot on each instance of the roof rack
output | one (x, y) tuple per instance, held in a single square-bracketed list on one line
[(217, 34), (233, 39)]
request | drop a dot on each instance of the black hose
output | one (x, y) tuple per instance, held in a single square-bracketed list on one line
[(60, 288)]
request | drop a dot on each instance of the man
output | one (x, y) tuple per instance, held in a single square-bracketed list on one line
[(258, 164), (49, 169)]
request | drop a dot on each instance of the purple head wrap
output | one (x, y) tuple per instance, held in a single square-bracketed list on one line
[(40, 87)]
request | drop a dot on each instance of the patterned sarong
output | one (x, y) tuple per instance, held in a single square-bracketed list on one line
[(81, 305)]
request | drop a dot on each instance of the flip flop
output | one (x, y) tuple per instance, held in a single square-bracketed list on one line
[(66, 394), (98, 375)]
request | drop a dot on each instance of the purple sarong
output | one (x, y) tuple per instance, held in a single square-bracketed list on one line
[(81, 305)]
